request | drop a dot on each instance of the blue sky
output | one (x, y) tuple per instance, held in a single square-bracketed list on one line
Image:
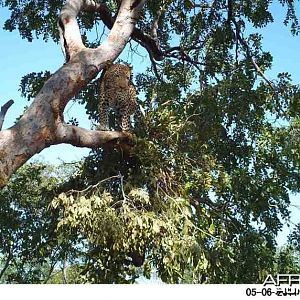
[(19, 57)]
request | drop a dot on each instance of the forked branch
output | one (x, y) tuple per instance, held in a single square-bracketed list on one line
[(42, 125)]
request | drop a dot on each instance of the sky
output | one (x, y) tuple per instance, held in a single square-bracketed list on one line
[(18, 57)]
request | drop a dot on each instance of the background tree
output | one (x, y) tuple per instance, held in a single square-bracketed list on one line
[(204, 192), (27, 226), (288, 258)]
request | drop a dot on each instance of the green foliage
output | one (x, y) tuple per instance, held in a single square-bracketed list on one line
[(28, 243), (288, 258), (22, 233), (126, 230), (33, 17), (32, 83), (204, 192)]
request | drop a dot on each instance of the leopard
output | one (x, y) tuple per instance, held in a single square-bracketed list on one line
[(118, 93)]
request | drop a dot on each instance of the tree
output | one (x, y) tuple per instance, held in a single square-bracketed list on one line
[(202, 194), (28, 245), (288, 258), (42, 124)]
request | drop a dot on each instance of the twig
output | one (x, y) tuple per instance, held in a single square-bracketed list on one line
[(249, 54), (92, 186), (122, 186), (153, 62), (154, 27), (202, 5), (154, 66), (182, 54), (134, 49)]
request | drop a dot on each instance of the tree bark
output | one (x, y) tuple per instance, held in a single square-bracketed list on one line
[(42, 125)]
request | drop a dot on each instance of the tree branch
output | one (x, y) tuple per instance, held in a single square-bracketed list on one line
[(81, 137), (146, 40), (70, 37), (149, 41), (69, 30), (3, 111), (248, 51), (202, 5)]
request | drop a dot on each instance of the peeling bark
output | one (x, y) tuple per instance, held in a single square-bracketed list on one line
[(42, 125)]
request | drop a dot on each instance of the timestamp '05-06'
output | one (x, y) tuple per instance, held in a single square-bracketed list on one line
[(263, 292)]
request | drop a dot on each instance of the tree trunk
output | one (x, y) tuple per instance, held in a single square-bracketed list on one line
[(42, 125)]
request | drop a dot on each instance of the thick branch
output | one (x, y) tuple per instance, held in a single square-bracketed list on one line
[(149, 43), (70, 36), (4, 110), (82, 137), (69, 29)]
